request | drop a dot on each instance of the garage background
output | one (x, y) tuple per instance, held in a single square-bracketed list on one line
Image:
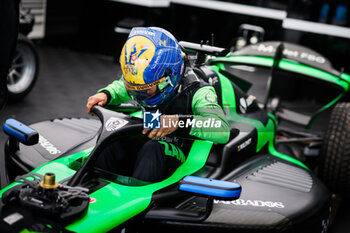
[(79, 44)]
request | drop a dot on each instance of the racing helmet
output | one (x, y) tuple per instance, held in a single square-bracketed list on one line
[(152, 64)]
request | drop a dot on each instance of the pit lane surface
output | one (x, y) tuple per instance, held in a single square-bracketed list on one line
[(66, 79)]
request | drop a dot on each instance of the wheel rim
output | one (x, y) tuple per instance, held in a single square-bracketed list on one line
[(22, 72)]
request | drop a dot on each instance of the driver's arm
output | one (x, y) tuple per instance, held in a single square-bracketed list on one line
[(114, 94), (205, 108), (207, 111)]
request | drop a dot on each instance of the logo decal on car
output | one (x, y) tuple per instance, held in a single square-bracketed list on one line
[(48, 146), (255, 203), (13, 218), (265, 48), (244, 144), (114, 123)]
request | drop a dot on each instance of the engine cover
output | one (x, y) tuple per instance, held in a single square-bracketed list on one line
[(277, 196)]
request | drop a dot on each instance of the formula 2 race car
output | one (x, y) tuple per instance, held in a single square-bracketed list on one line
[(245, 185)]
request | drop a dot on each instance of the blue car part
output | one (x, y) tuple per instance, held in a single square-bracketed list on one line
[(21, 132), (209, 187), (198, 186)]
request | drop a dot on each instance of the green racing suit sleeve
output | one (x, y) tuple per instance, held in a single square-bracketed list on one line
[(209, 121), (117, 93)]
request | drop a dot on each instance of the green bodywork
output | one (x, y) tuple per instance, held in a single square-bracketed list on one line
[(341, 82), (116, 203), (265, 133)]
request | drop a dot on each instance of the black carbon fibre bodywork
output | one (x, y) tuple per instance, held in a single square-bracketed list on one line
[(277, 196), (57, 138)]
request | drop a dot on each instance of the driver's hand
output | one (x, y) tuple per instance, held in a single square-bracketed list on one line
[(172, 123), (99, 98)]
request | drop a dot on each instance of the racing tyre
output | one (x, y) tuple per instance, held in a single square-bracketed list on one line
[(334, 167), (24, 69)]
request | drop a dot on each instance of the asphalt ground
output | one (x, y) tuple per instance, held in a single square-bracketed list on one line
[(66, 79)]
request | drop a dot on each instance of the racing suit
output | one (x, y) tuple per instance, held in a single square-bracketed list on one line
[(196, 101)]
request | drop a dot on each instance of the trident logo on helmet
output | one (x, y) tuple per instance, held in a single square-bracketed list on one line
[(130, 61)]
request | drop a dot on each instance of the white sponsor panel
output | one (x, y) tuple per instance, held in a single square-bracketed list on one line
[(114, 123), (13, 218)]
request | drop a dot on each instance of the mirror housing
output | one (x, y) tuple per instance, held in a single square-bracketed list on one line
[(198, 186), (20, 132), (217, 189)]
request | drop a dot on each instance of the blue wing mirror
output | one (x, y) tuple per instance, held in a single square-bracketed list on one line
[(217, 189), (20, 132), (197, 186)]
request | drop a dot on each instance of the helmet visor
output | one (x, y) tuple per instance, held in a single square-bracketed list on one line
[(143, 95), (147, 92)]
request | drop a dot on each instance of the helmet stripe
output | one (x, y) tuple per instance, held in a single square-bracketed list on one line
[(143, 86)]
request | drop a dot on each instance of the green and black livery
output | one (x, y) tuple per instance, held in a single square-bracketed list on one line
[(279, 192)]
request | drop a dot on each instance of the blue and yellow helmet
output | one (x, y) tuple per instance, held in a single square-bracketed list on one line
[(152, 65)]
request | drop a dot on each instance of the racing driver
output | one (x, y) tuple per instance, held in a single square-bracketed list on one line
[(157, 75)]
